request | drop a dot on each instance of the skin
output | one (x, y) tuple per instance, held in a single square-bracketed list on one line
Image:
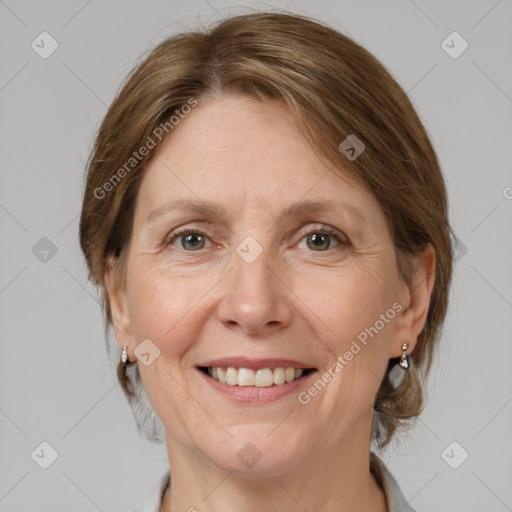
[(296, 300)]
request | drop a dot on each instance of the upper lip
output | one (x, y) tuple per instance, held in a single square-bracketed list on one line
[(255, 364)]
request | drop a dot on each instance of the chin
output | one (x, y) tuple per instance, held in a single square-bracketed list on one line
[(256, 450)]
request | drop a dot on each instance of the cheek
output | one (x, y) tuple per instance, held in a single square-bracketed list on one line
[(165, 309), (163, 306), (346, 304)]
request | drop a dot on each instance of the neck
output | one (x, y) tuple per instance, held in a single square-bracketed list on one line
[(330, 480)]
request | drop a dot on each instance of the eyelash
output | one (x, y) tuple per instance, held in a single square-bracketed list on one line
[(324, 230)]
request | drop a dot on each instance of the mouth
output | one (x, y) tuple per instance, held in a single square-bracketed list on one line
[(256, 381), (263, 377)]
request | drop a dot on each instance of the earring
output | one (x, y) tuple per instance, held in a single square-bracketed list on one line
[(124, 357), (404, 359)]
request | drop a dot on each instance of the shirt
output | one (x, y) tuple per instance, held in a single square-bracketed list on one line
[(395, 499)]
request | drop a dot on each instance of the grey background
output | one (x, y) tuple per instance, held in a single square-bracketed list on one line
[(57, 383)]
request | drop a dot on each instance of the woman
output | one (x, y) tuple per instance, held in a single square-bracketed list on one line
[(267, 219)]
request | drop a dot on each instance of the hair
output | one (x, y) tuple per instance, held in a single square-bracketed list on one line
[(334, 88)]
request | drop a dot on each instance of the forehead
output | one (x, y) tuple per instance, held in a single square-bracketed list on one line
[(243, 154)]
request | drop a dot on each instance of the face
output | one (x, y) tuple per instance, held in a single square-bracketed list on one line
[(247, 252)]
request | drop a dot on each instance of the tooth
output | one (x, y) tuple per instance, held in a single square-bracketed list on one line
[(279, 377), (264, 377), (221, 375), (232, 376), (245, 377)]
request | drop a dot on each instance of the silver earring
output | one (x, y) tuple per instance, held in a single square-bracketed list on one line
[(404, 359), (124, 357)]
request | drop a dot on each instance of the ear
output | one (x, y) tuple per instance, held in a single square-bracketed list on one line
[(415, 300), (116, 290)]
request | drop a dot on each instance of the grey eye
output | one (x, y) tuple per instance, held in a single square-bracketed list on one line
[(194, 240)]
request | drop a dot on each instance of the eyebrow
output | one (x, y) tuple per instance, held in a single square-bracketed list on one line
[(299, 209)]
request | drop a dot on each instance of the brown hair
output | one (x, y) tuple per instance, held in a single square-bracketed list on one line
[(334, 88)]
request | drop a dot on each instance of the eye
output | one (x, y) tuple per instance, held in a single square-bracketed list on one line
[(320, 239), (194, 239)]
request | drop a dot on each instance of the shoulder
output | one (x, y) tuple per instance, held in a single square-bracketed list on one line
[(395, 498), (152, 501)]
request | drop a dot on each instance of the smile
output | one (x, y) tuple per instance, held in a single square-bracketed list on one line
[(261, 378)]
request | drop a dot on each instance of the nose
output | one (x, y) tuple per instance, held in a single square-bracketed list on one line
[(256, 299)]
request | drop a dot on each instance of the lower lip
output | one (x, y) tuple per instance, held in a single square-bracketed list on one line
[(251, 394)]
